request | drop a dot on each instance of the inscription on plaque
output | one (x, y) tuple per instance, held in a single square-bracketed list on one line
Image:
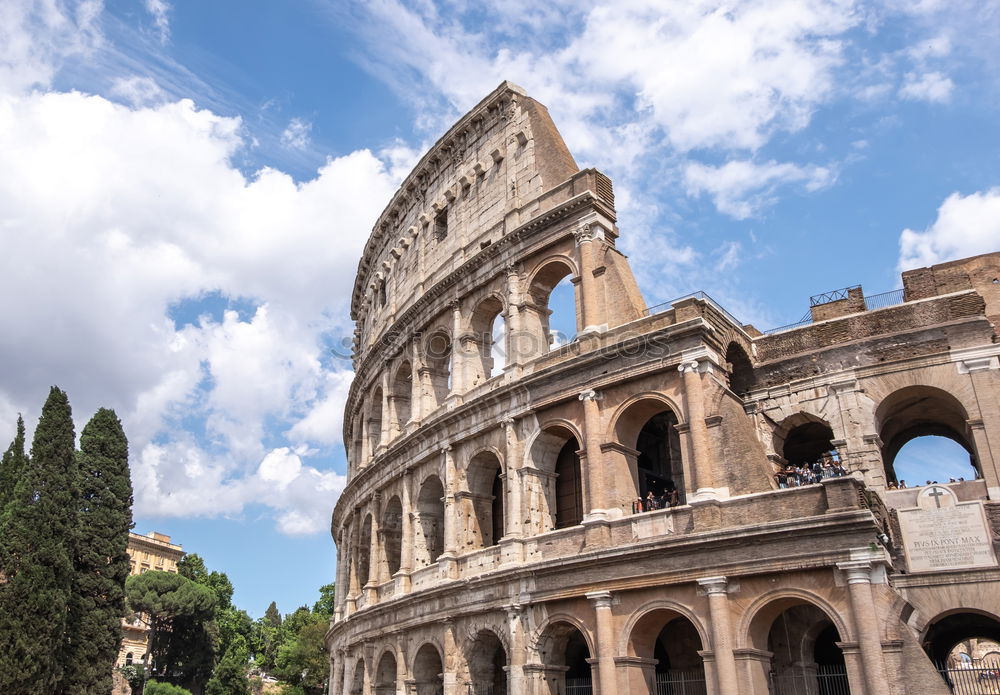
[(943, 533)]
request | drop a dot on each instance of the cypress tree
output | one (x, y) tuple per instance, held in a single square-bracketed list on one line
[(104, 517), (38, 547), (11, 467)]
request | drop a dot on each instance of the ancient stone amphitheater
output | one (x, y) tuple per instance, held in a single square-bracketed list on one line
[(495, 534)]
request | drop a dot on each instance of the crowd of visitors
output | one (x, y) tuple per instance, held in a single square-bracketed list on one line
[(827, 466), (652, 501)]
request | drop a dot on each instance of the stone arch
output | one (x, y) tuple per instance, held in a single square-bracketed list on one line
[(358, 680), (487, 657), (646, 427), (666, 644), (556, 488), (563, 647), (437, 353), (788, 597), (428, 534), (391, 531), (739, 369), (949, 628), (428, 669), (386, 674), (917, 411), (401, 391), (802, 438), (483, 326), (658, 606), (536, 317), (485, 479), (796, 641)]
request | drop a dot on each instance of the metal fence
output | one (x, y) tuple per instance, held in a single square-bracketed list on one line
[(487, 689), (880, 301), (700, 294), (681, 683), (828, 680), (974, 680), (579, 686)]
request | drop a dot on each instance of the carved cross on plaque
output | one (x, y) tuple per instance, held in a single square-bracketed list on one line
[(937, 493)]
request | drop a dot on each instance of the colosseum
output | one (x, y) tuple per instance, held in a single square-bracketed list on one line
[(669, 502)]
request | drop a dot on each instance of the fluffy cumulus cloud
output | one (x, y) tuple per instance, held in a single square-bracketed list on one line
[(740, 187), (146, 272), (965, 226)]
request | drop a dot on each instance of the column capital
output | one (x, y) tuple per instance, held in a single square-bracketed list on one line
[(690, 367), (714, 585), (601, 599), (857, 571), (591, 395), (507, 421), (589, 231)]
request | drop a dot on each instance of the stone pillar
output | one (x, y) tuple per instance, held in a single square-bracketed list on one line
[(512, 455), (387, 413), (457, 351), (866, 622), (638, 675), (983, 430), (448, 560), (408, 541), (516, 352), (722, 646), (518, 649), (402, 674), (365, 455), (753, 667), (336, 672), (593, 472), (451, 684), (341, 577), (589, 242), (375, 563), (694, 404), (416, 388), (353, 589), (605, 641)]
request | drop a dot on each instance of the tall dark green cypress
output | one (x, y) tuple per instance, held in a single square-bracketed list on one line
[(11, 467), (104, 517), (38, 545)]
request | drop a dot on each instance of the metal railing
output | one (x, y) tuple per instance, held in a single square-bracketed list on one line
[(681, 683), (875, 301), (832, 295), (700, 294), (973, 680), (880, 301), (829, 679), (579, 686)]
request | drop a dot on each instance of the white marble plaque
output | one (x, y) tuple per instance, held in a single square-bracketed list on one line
[(945, 534)]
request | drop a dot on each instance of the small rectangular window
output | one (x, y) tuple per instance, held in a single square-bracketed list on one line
[(441, 225)]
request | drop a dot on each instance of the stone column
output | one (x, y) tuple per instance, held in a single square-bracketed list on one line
[(592, 472), (416, 388), (589, 241), (365, 455), (451, 685), (353, 589), (457, 351), (694, 403), (375, 563), (516, 354), (518, 649), (605, 641), (336, 672), (387, 413), (406, 551), (341, 577), (512, 455), (983, 429), (866, 622), (722, 646), (448, 560), (402, 674)]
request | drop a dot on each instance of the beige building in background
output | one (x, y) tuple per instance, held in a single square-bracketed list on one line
[(153, 551), (490, 538)]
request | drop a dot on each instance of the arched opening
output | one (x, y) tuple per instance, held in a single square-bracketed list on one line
[(402, 389), (741, 376), (557, 483), (358, 682), (357, 445), (364, 551), (485, 477), (437, 361), (391, 530), (569, 493), (973, 635), (925, 416), (385, 675), (489, 334), (487, 665), (803, 643), (375, 421), (428, 673), (673, 641), (550, 317), (649, 427), (564, 652), (128, 659), (429, 523), (803, 439)]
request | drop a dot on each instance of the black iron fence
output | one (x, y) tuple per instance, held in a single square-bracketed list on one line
[(579, 686), (828, 680), (972, 679), (681, 683)]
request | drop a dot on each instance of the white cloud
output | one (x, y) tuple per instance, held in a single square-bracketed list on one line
[(295, 136), (137, 91), (741, 188), (965, 226), (159, 10), (115, 214), (928, 86)]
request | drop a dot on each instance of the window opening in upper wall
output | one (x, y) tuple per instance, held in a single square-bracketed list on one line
[(441, 225)]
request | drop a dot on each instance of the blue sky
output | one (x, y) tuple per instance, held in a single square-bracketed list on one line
[(185, 187)]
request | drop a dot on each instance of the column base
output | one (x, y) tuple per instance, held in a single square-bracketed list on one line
[(448, 565)]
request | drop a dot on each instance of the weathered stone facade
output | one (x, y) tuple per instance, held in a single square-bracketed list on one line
[(489, 538)]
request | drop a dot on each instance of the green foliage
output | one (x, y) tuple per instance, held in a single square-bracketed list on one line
[(104, 517), (182, 633), (292, 690), (37, 550), (159, 688), (303, 660), (327, 600), (230, 677), (193, 567), (134, 674), (272, 616), (11, 467), (267, 638)]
